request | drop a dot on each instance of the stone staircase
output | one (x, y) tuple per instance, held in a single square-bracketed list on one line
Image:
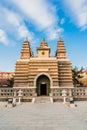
[(43, 99)]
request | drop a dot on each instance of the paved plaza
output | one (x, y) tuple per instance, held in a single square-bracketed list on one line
[(43, 116)]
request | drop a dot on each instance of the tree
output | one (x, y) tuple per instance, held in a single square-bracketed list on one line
[(76, 74), (10, 82)]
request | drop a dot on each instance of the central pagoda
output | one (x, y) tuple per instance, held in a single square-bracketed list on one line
[(43, 73)]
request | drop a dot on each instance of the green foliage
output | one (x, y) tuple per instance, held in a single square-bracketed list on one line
[(76, 73), (10, 82)]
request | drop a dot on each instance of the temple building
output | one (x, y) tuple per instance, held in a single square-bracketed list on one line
[(43, 72)]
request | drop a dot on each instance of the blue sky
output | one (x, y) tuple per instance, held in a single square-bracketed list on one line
[(38, 19)]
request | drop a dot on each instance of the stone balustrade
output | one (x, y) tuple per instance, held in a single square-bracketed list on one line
[(6, 93), (79, 93)]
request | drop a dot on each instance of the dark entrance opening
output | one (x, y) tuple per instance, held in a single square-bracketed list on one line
[(43, 85), (43, 89)]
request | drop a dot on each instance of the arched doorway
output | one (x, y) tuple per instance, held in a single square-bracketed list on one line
[(43, 85)]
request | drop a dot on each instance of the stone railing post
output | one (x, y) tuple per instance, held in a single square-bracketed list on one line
[(64, 94), (15, 93), (70, 92)]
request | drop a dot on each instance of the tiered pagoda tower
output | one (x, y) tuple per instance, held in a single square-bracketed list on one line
[(64, 66), (43, 73), (21, 71)]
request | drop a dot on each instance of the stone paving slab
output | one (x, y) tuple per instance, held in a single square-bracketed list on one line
[(81, 111), (27, 116)]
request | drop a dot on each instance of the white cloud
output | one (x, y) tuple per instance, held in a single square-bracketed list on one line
[(78, 12), (23, 32), (41, 13), (62, 21), (9, 19), (3, 37), (54, 33), (17, 22), (13, 24)]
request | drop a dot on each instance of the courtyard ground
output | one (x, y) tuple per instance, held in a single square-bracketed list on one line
[(43, 116)]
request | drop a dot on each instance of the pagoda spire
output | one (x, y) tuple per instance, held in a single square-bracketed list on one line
[(26, 51), (44, 50), (60, 39), (26, 39), (61, 51), (43, 43)]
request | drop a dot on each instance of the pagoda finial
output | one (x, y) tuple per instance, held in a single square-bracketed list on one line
[(43, 39), (43, 43), (26, 39), (60, 39)]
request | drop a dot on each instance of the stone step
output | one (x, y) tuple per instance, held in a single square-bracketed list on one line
[(42, 99)]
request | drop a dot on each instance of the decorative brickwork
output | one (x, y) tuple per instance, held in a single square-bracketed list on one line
[(43, 70)]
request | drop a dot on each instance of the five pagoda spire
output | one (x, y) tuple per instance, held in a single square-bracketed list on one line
[(26, 51)]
